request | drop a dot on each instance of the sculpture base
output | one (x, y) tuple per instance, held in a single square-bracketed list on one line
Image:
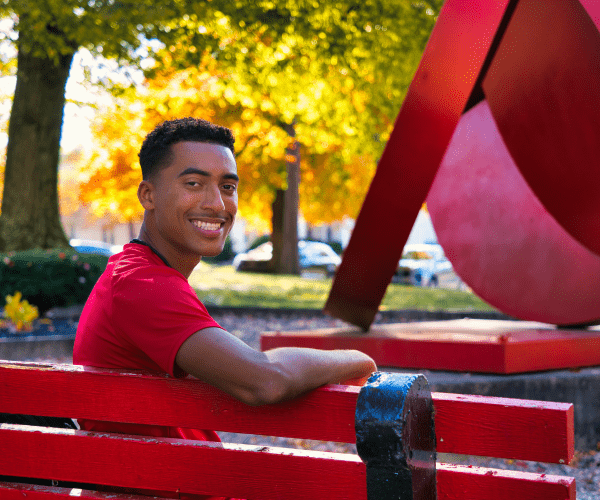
[(465, 345)]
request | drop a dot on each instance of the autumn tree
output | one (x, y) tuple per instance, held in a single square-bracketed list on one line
[(51, 31), (335, 114), (109, 178), (112, 174), (334, 91), (49, 34)]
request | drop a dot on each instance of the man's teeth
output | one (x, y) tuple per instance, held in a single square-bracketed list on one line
[(210, 226)]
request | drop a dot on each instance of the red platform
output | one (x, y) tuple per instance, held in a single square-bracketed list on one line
[(466, 345)]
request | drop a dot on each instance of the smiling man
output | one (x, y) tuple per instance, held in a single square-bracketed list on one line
[(143, 314)]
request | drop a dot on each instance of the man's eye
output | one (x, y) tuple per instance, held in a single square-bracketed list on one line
[(192, 183), (230, 187)]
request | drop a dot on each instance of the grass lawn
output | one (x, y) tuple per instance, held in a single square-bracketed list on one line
[(223, 286)]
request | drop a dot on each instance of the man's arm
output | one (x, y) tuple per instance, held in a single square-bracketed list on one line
[(221, 359)]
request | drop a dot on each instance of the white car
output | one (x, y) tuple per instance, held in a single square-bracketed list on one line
[(311, 255), (422, 264)]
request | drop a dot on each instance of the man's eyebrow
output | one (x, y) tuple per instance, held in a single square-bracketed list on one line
[(232, 177), (192, 170)]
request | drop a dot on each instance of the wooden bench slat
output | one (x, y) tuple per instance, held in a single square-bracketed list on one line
[(22, 491), (154, 463), (266, 480), (455, 482), (505, 428), (463, 482), (117, 395)]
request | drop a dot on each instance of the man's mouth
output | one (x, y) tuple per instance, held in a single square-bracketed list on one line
[(208, 226)]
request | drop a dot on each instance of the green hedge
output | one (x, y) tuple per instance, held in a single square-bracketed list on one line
[(50, 278)]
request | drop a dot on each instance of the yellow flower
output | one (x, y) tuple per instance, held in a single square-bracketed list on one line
[(21, 313)]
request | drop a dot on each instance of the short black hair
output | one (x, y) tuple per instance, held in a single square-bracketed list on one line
[(156, 148)]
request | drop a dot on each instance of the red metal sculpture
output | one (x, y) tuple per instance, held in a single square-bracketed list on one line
[(533, 68), (501, 239)]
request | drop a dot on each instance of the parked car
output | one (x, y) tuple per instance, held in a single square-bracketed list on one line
[(255, 260), (312, 255), (93, 246), (318, 255), (422, 264)]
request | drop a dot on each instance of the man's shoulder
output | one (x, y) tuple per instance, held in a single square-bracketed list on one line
[(139, 262), (137, 273)]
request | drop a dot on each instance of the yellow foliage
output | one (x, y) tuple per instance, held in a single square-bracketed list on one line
[(20, 312), (109, 179), (334, 178), (324, 106)]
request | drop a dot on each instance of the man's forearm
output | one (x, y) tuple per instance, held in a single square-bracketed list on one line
[(307, 369), (221, 359)]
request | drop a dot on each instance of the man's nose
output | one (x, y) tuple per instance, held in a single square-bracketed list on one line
[(212, 199)]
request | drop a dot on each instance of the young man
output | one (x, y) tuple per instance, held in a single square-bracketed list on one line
[(143, 314)]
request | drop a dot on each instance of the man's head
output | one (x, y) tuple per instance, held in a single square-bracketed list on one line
[(188, 191), (156, 148)]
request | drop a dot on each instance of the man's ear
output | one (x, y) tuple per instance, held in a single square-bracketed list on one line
[(145, 194)]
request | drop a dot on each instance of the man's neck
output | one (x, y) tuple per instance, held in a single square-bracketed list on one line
[(171, 258)]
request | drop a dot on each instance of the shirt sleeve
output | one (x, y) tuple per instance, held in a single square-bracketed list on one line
[(157, 310)]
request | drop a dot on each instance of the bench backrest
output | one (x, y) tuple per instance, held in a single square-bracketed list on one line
[(497, 427)]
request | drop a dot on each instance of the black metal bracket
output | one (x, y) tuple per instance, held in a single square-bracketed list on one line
[(395, 437)]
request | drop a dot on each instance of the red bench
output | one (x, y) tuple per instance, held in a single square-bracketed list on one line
[(506, 428)]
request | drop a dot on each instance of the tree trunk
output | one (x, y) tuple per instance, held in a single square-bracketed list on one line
[(285, 215), (289, 252), (277, 233), (30, 213)]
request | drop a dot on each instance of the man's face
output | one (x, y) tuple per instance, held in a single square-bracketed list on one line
[(194, 200)]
